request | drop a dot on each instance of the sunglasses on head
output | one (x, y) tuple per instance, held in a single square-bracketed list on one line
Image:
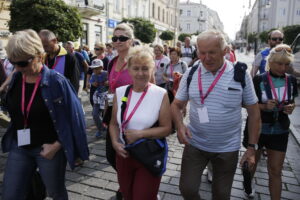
[(21, 63), (277, 39), (280, 49), (120, 38)]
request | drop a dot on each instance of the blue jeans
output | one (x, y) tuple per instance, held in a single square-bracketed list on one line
[(98, 117), (20, 166)]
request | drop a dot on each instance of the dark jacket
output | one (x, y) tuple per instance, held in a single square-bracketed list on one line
[(66, 113)]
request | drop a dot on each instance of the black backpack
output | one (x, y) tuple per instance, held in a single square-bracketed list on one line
[(239, 73)]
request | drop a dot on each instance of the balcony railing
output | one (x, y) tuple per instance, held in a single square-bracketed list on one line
[(90, 8)]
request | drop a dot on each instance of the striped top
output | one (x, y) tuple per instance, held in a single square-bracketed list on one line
[(223, 131)]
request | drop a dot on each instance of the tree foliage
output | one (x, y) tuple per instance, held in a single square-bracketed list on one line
[(54, 15), (167, 35), (144, 30), (182, 36), (290, 33), (251, 37), (264, 36)]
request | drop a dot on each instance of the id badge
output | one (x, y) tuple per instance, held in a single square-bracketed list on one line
[(23, 137), (203, 115)]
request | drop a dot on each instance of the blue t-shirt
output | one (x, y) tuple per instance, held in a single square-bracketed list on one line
[(101, 79), (80, 59)]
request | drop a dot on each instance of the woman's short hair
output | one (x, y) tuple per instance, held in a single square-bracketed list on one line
[(109, 45), (100, 45), (26, 43), (160, 47), (209, 34), (127, 28), (176, 49), (280, 53), (141, 54)]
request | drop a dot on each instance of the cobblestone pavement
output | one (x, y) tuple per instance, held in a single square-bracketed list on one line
[(97, 180)]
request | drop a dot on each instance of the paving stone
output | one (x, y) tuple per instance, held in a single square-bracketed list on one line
[(237, 192), (261, 175), (264, 197), (174, 181), (290, 195), (172, 173), (91, 172), (205, 186), (175, 161), (95, 182), (110, 177), (113, 186), (262, 189), (169, 188), (172, 197), (290, 180), (165, 179), (237, 185), (293, 188), (263, 182), (76, 196), (288, 173), (172, 166), (74, 176)]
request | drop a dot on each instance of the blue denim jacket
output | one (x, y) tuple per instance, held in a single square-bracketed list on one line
[(66, 112)]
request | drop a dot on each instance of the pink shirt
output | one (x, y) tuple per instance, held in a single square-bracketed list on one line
[(117, 79)]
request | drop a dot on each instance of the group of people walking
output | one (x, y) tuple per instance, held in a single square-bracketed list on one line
[(135, 100)]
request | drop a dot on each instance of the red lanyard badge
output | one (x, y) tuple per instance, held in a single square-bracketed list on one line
[(214, 83), (126, 120), (37, 82), (274, 92)]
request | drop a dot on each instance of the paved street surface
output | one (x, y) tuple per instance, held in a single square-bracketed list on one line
[(97, 180)]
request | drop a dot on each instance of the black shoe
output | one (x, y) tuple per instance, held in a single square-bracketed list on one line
[(119, 195), (247, 178)]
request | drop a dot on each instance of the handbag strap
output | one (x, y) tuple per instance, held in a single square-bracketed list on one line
[(124, 105)]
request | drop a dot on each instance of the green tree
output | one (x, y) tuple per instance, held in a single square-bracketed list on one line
[(54, 15), (167, 35), (251, 37), (182, 36), (290, 33), (144, 30), (264, 36)]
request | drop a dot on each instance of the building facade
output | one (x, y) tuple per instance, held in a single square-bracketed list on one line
[(197, 17), (4, 18)]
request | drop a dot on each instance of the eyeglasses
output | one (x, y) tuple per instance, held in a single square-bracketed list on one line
[(21, 63), (280, 49), (120, 38), (277, 39), (98, 49)]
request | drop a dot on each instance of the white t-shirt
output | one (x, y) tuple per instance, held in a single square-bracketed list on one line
[(147, 113)]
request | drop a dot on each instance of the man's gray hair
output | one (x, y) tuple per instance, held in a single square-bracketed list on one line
[(45, 33), (70, 43), (210, 34)]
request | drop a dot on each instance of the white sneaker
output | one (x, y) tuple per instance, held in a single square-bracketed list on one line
[(252, 194)]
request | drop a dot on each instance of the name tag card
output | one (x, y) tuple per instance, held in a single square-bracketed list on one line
[(23, 137), (203, 115)]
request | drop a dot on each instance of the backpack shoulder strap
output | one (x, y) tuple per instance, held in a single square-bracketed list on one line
[(267, 85), (124, 101), (240, 73), (190, 76)]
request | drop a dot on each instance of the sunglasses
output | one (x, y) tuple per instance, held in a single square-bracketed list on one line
[(21, 63), (120, 38), (277, 39), (280, 49)]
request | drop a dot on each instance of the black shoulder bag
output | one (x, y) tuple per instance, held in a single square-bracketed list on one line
[(152, 153)]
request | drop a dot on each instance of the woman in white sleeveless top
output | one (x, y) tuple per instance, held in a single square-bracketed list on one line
[(136, 182)]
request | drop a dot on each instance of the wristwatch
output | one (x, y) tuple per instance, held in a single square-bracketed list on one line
[(255, 146)]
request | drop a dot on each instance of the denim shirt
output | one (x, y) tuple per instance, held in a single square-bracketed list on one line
[(66, 112)]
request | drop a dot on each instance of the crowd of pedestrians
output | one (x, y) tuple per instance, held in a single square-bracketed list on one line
[(139, 96)]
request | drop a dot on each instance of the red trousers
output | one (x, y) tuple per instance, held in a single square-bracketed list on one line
[(135, 181)]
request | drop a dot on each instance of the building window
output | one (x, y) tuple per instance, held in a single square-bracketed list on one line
[(163, 15), (201, 13), (180, 11), (167, 17), (282, 11), (128, 7), (298, 12), (171, 19), (98, 33), (117, 7), (158, 13), (153, 10), (188, 27), (144, 11), (84, 38), (188, 13)]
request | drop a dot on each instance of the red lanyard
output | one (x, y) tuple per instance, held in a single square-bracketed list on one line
[(214, 83), (114, 81), (274, 92), (126, 121), (55, 63), (37, 82), (171, 70)]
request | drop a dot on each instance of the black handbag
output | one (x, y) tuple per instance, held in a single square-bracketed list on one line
[(152, 153), (37, 189)]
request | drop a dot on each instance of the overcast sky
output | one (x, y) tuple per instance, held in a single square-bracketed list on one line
[(231, 12)]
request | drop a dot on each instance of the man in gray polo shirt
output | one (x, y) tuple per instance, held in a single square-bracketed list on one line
[(214, 131)]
